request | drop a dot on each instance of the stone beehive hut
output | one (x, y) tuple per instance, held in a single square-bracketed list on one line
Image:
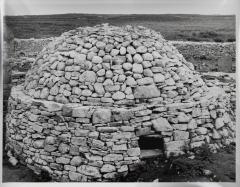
[(93, 93)]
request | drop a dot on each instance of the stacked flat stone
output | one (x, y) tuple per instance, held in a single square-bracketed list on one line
[(107, 65), (142, 87)]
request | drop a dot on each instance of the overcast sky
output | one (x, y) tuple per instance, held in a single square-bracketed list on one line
[(36, 7)]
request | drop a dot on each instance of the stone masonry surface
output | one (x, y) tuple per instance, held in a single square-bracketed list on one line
[(92, 92)]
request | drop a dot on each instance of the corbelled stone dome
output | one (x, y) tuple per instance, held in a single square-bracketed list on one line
[(112, 67), (109, 65)]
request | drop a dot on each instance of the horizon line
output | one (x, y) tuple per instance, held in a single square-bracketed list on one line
[(203, 14)]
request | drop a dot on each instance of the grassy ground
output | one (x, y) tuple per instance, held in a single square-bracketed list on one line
[(173, 26), (185, 169)]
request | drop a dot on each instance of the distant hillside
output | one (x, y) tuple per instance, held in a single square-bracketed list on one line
[(172, 26)]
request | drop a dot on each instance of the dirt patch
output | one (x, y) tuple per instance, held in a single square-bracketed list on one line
[(20, 173)]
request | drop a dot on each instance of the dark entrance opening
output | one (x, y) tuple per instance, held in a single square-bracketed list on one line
[(151, 146), (151, 142)]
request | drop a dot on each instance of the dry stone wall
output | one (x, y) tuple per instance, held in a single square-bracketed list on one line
[(92, 92), (209, 56), (205, 56), (89, 143)]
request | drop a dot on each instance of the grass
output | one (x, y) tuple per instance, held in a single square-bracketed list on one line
[(184, 169), (172, 26)]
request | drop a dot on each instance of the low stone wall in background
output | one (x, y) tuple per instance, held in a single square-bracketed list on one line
[(92, 143), (30, 47), (209, 56)]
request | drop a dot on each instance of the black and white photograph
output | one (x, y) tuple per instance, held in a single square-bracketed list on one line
[(119, 91)]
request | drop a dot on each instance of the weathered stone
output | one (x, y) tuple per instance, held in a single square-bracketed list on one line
[(216, 135), (145, 81), (113, 157), (44, 93), (118, 60), (121, 147), (161, 124), (118, 95), (183, 118), (107, 129), (38, 144), (156, 54), (114, 52), (177, 106), (81, 112), (108, 168), (54, 90), (219, 123), (99, 88), (37, 128), (81, 132), (123, 50), (127, 66), (192, 124), (100, 45), (143, 113), (137, 58), (110, 175), (133, 151), (101, 116), (196, 112), (89, 171), (86, 93), (182, 127), (137, 68), (93, 135), (158, 77), (112, 88), (88, 76), (97, 60), (143, 131), (123, 168), (141, 49), (122, 114), (146, 92), (170, 82), (180, 135), (131, 50), (201, 130), (101, 72), (131, 81), (76, 161), (70, 168), (79, 141), (196, 144), (148, 73), (63, 148), (13, 161), (62, 160), (50, 140), (147, 57)]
